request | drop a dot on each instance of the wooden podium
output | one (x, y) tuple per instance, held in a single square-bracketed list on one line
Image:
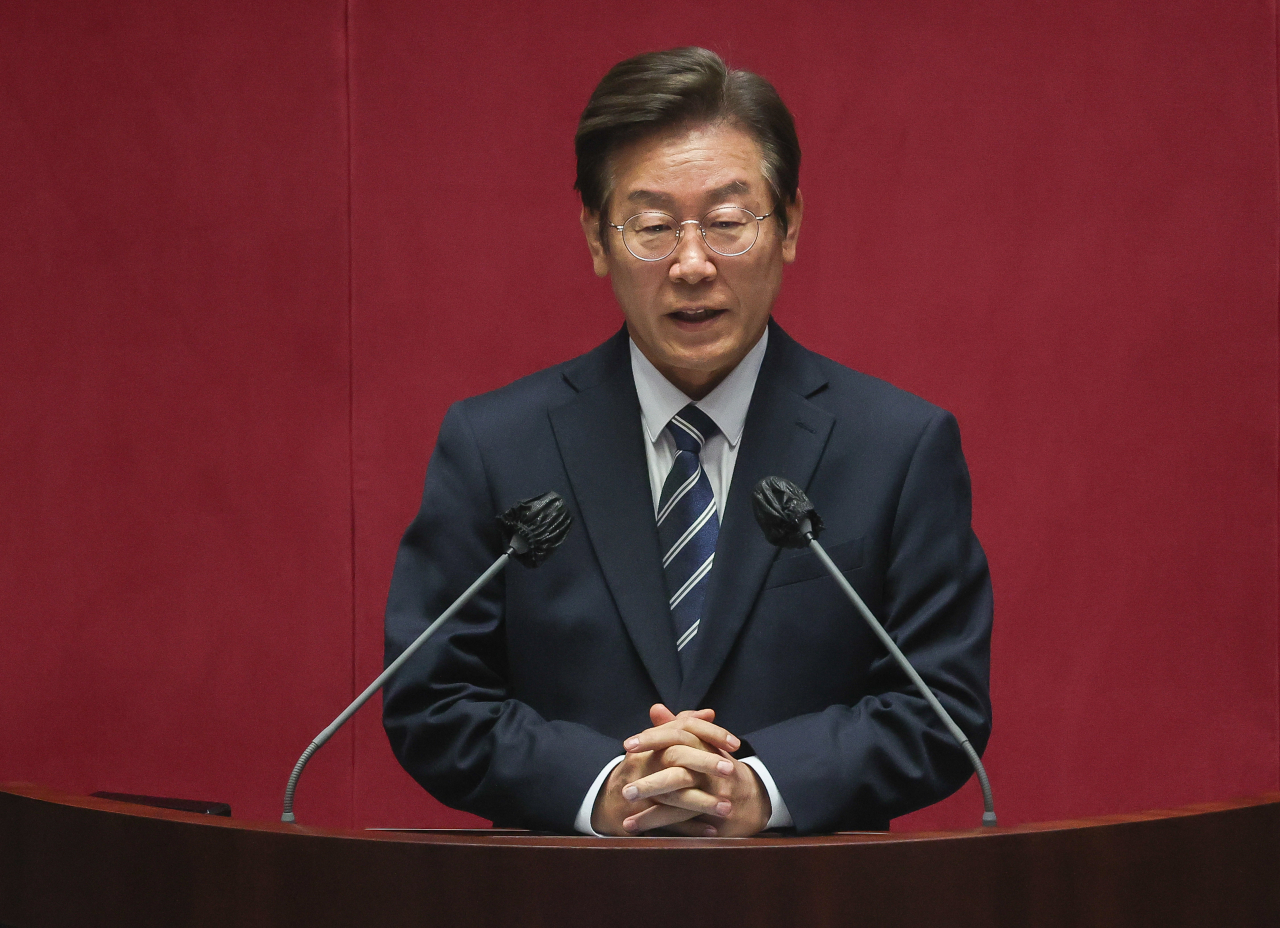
[(81, 862)]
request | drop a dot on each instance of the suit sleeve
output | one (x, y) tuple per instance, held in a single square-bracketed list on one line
[(852, 766), (448, 713)]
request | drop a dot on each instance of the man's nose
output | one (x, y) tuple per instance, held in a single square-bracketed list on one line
[(693, 258)]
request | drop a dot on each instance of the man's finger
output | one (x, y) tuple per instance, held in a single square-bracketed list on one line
[(696, 759), (682, 731), (661, 715), (658, 739), (697, 800), (709, 732), (693, 828), (655, 784), (657, 816)]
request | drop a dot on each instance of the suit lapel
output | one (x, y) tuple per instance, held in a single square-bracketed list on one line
[(601, 443), (784, 435)]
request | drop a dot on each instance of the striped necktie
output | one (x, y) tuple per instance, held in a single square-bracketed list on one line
[(687, 527)]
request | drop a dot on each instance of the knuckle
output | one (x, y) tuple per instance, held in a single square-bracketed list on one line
[(682, 754)]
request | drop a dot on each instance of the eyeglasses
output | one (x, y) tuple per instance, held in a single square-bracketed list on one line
[(728, 231)]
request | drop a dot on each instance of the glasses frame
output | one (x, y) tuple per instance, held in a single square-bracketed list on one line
[(680, 224)]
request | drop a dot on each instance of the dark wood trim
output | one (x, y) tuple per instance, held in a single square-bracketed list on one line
[(79, 861)]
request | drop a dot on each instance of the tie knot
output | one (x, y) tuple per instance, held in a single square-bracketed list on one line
[(691, 427)]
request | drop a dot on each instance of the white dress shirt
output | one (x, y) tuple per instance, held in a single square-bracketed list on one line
[(727, 406)]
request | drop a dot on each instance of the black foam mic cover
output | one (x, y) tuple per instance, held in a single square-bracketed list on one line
[(784, 513), (541, 521)]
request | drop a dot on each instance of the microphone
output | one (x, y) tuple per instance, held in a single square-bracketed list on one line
[(535, 526), (789, 520)]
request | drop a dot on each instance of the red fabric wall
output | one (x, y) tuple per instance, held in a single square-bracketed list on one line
[(175, 397), (252, 254)]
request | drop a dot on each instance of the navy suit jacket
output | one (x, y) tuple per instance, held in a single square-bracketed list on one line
[(514, 706)]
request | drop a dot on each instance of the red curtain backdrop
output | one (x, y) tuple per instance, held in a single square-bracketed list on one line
[(252, 252)]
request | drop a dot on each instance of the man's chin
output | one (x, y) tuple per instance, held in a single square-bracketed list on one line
[(701, 359), (699, 346), (697, 375)]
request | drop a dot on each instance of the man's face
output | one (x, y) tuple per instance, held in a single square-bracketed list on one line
[(694, 314)]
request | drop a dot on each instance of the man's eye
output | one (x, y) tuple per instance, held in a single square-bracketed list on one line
[(655, 228), (727, 225)]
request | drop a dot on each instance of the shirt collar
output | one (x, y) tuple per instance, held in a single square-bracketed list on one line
[(726, 404)]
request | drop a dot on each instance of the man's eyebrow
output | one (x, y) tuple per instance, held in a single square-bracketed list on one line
[(733, 188), (650, 198)]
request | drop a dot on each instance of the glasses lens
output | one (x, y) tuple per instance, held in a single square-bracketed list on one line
[(650, 236), (730, 231)]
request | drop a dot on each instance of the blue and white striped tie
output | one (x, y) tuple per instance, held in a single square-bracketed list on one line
[(687, 527)]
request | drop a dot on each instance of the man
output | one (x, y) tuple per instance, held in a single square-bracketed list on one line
[(667, 669)]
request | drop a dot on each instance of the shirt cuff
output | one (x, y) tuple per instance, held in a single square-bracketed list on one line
[(779, 817), (582, 824)]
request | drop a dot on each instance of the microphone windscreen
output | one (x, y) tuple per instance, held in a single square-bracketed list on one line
[(542, 521), (782, 509)]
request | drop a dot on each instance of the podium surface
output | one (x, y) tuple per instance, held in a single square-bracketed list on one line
[(79, 861)]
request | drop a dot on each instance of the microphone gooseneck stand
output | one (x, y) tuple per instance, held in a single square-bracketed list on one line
[(788, 519), (537, 526)]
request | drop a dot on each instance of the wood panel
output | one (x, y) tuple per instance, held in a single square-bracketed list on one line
[(69, 861)]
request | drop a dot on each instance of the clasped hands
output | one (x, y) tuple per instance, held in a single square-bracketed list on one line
[(678, 778)]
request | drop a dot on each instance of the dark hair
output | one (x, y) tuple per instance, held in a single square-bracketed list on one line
[(683, 86)]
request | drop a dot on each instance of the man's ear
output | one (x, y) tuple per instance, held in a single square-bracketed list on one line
[(591, 229), (795, 213)]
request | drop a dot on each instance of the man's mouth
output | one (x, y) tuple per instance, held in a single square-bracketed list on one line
[(696, 315)]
